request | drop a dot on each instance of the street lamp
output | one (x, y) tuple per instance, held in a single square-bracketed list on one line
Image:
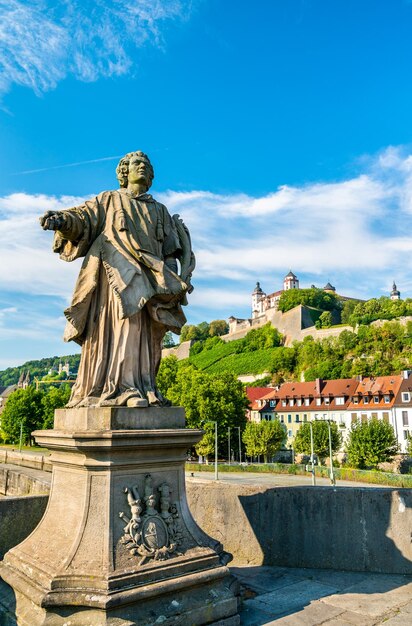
[(228, 444), (240, 446)]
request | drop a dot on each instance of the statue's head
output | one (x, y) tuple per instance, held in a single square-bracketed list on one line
[(134, 160)]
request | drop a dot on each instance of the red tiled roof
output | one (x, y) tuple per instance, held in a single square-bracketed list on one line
[(254, 393)]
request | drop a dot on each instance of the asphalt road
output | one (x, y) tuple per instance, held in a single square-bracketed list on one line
[(271, 480)]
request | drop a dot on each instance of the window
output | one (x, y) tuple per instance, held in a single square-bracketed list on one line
[(297, 419), (406, 396), (355, 400), (376, 399), (365, 400), (364, 417), (386, 399), (405, 421), (299, 402), (291, 402), (289, 419), (290, 434), (282, 419), (354, 417), (283, 402), (307, 401), (405, 434), (327, 401), (374, 416), (305, 417), (340, 401), (272, 403), (318, 401), (385, 416)]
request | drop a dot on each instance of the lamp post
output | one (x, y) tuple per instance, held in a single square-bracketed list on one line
[(240, 445), (21, 436), (228, 444)]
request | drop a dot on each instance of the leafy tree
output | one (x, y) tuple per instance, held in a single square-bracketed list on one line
[(348, 307), (168, 341), (264, 438), (166, 376), (206, 445), (313, 297), (371, 443), (210, 397), (326, 319), (218, 327), (194, 333), (320, 438), (24, 406), (55, 398), (251, 439), (409, 446)]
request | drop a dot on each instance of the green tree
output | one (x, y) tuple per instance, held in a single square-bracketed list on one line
[(409, 446), (166, 376), (348, 307), (24, 406), (206, 445), (251, 439), (264, 438), (325, 319), (210, 397), (168, 341), (320, 438), (313, 297), (55, 398), (218, 328), (371, 443)]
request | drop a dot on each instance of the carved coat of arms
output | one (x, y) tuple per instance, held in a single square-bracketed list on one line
[(149, 532)]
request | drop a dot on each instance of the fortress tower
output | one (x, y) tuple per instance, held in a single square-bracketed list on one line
[(395, 294), (290, 281)]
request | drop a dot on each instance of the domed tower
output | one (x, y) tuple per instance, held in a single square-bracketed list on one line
[(395, 294), (290, 281), (258, 296)]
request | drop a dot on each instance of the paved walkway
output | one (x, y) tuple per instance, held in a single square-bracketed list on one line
[(273, 480), (311, 597)]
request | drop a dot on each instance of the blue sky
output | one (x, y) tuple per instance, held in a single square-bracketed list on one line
[(281, 131)]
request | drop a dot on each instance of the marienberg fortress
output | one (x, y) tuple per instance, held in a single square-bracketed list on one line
[(294, 325)]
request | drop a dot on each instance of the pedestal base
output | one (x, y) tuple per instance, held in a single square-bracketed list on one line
[(117, 545)]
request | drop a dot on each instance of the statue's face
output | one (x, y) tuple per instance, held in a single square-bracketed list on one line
[(139, 171)]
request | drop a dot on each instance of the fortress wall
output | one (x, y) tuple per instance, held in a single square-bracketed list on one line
[(181, 351), (321, 333)]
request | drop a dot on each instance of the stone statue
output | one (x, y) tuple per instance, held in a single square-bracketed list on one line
[(129, 291)]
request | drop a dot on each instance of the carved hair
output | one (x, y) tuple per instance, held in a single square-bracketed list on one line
[(122, 170)]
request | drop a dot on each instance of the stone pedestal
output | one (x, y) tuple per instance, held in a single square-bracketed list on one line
[(117, 545)]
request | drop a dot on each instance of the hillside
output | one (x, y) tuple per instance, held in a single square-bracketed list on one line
[(372, 351), (11, 375)]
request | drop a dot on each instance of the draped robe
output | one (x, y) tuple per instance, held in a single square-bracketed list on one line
[(126, 296)]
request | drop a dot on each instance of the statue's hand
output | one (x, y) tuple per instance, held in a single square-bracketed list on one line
[(52, 220)]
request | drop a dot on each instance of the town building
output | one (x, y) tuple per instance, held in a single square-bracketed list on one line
[(343, 401), (402, 410)]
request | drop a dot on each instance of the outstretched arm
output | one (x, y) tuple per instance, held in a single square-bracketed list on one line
[(68, 224)]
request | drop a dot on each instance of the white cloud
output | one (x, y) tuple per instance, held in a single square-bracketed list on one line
[(41, 42), (353, 233)]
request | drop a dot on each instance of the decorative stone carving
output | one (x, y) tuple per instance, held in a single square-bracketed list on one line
[(149, 533)]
